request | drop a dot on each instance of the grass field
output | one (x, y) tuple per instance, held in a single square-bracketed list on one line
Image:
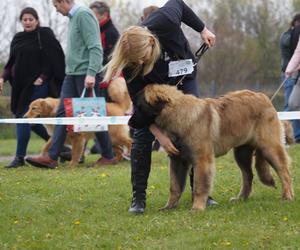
[(87, 209)]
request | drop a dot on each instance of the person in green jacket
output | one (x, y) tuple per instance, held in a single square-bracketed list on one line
[(84, 56)]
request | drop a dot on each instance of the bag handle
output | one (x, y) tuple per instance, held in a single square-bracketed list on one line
[(84, 90)]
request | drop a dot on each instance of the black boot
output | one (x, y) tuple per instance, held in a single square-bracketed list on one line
[(137, 206), (140, 169), (18, 161)]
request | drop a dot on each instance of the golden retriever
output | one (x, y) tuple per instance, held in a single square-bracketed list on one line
[(244, 121), (121, 103)]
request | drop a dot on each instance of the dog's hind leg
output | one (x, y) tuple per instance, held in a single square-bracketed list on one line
[(277, 157), (243, 156), (263, 169), (178, 175)]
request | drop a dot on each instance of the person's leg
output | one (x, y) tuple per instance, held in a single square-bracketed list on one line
[(140, 168), (288, 87), (23, 130), (72, 87)]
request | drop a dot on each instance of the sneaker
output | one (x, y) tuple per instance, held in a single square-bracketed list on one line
[(211, 202), (104, 162)]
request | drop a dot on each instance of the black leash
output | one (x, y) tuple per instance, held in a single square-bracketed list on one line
[(199, 53)]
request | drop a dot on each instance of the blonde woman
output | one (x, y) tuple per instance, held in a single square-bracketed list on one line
[(143, 54)]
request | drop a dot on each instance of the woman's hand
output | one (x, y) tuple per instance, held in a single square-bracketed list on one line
[(89, 82), (208, 37), (1, 85), (164, 140), (38, 81)]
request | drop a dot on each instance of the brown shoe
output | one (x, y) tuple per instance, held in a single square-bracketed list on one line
[(104, 161), (43, 161)]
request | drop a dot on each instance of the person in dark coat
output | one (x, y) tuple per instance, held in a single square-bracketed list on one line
[(143, 55), (35, 69)]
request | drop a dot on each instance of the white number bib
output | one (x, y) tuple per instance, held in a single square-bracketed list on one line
[(181, 67)]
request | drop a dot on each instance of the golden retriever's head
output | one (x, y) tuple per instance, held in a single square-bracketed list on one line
[(42, 108)]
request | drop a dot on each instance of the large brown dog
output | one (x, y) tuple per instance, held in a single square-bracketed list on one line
[(204, 128), (117, 90)]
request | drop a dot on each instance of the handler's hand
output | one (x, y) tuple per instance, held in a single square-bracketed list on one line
[(38, 82), (89, 82), (208, 37), (1, 85), (164, 140), (167, 144)]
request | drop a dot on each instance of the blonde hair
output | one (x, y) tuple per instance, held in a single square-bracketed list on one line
[(129, 49)]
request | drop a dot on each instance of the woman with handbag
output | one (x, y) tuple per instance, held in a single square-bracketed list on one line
[(35, 69)]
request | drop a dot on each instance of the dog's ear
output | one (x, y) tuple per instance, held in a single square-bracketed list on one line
[(46, 108)]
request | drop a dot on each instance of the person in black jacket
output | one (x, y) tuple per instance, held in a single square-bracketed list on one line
[(35, 69), (143, 55)]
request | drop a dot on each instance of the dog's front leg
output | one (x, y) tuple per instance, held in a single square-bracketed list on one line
[(178, 173), (46, 147), (78, 142), (203, 180)]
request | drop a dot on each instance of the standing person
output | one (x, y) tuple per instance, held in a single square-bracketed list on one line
[(83, 62), (109, 36), (288, 44), (109, 33), (35, 69), (293, 68), (143, 55)]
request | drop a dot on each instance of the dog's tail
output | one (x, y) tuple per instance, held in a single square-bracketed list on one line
[(263, 170)]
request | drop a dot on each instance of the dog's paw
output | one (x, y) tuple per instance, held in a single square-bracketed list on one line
[(235, 199), (167, 208), (197, 209)]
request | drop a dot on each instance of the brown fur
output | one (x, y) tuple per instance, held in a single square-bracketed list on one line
[(244, 121), (47, 107), (288, 132)]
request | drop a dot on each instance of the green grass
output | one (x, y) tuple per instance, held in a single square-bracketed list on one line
[(87, 209)]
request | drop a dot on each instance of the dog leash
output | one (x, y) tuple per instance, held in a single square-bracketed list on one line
[(280, 86), (199, 53)]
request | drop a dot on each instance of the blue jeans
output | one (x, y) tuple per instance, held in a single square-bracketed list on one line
[(23, 130), (73, 86), (288, 87)]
